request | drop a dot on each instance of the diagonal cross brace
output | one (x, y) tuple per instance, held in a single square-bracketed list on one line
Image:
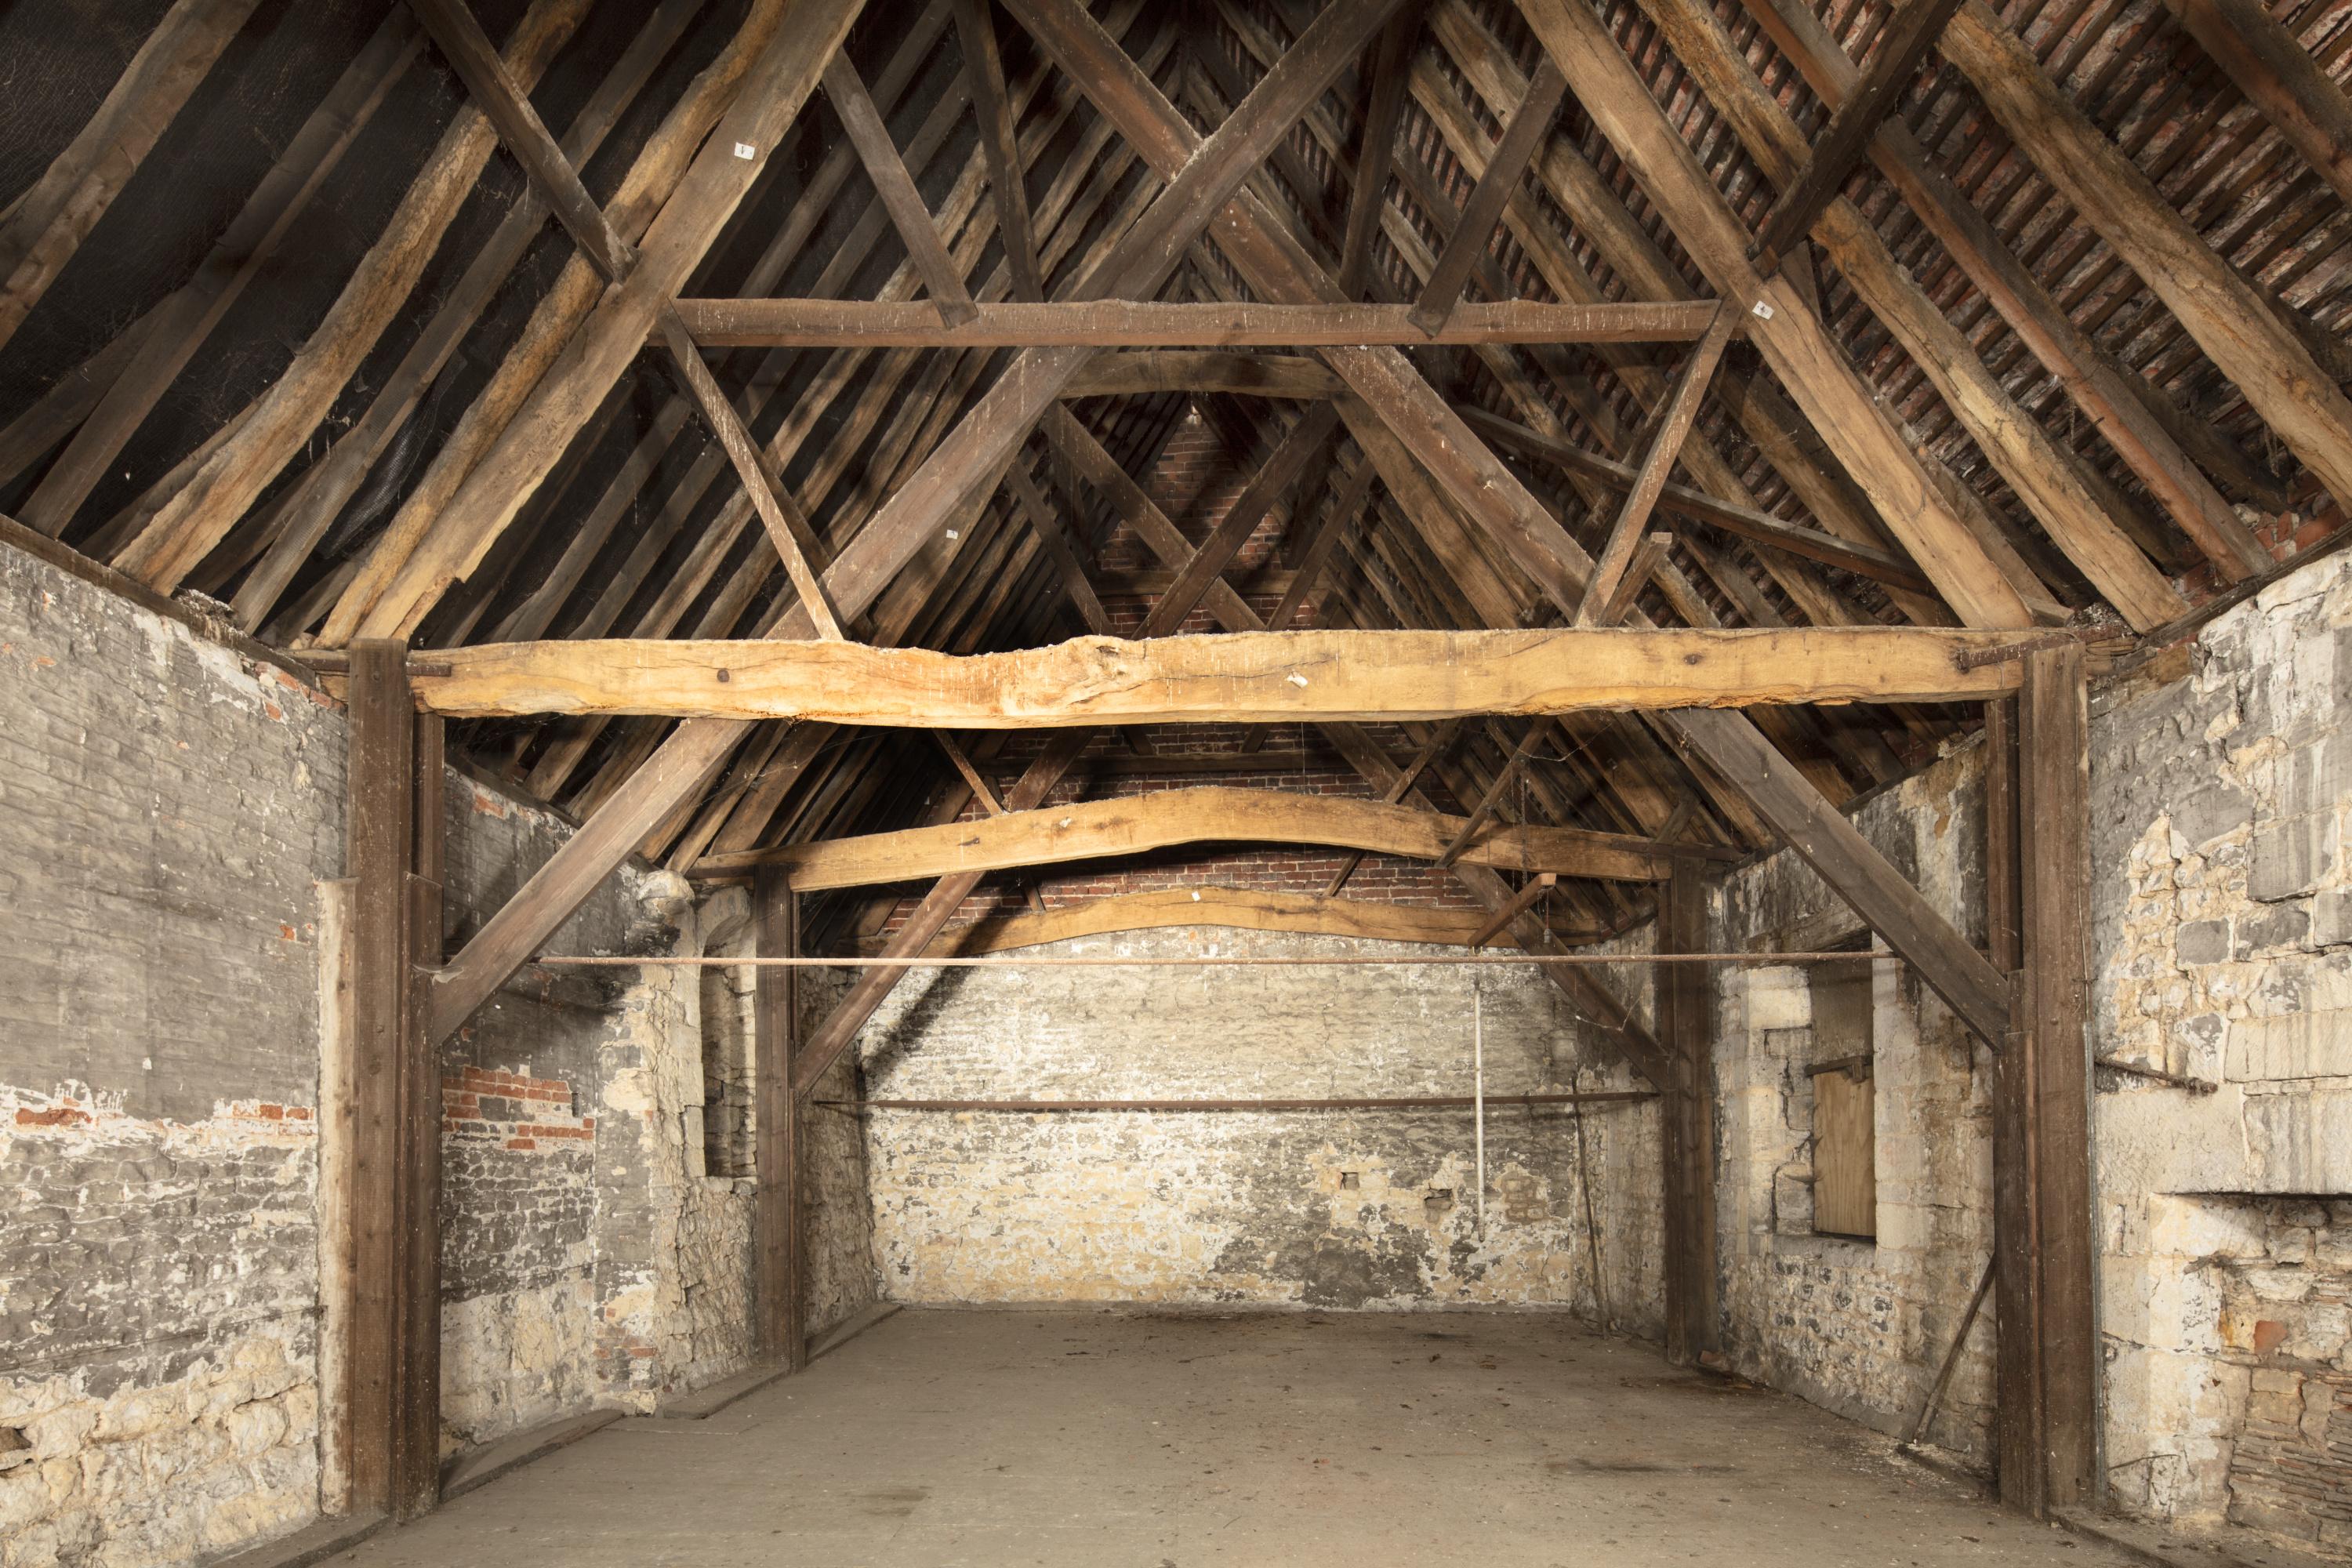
[(1277, 268), (981, 444)]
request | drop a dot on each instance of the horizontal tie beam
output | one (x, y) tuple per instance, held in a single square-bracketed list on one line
[(1255, 678), (1128, 323)]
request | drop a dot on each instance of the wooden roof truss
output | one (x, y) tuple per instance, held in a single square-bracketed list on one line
[(1717, 315)]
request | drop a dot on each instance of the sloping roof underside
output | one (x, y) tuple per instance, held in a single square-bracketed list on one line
[(397, 310)]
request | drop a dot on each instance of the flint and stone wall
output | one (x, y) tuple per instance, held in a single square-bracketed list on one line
[(1858, 1325), (171, 811), (2222, 929), (2222, 910)]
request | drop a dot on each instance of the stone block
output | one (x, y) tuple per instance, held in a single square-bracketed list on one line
[(2314, 779), (2197, 1228), (2285, 925), (1792, 1201), (2210, 813), (2202, 941), (1779, 998), (2291, 856), (2331, 918), (2294, 1046)]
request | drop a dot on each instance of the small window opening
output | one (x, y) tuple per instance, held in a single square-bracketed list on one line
[(1846, 1128), (726, 1073)]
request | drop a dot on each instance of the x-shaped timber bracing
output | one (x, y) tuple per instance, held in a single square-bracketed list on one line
[(1387, 399)]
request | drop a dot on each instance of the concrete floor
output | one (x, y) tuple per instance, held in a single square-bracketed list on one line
[(1167, 1440)]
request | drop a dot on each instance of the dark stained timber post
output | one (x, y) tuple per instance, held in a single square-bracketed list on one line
[(2053, 839), (391, 1398), (2018, 1422), (1687, 1040), (776, 1240)]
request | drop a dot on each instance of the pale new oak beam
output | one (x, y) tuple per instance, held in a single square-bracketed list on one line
[(981, 444), (1253, 677), (1243, 909), (1276, 266)]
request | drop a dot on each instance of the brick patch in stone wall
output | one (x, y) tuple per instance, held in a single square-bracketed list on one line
[(517, 1109)]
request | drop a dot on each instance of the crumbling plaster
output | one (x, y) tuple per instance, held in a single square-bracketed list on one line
[(2222, 787), (1297, 1208), (173, 811)]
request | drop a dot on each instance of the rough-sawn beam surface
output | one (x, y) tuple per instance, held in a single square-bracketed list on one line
[(1253, 677), (1211, 814)]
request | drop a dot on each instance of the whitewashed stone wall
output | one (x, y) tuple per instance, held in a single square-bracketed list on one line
[(1315, 1208), (170, 811), (2221, 796), (1858, 1325)]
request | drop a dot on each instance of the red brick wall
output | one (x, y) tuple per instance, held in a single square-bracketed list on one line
[(1195, 482)]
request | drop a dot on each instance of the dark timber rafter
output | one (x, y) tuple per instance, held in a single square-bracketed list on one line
[(912, 219), (475, 60), (1521, 137), (1377, 149), (983, 70), (1681, 412), (469, 51), (1127, 323), (1901, 47), (898, 489), (980, 445), (1269, 256)]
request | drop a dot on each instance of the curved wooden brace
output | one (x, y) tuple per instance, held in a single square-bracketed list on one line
[(1131, 825)]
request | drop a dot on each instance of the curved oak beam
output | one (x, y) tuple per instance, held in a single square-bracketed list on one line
[(1243, 909), (1165, 819), (1252, 677)]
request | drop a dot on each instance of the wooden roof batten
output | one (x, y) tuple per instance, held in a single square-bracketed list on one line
[(1951, 399)]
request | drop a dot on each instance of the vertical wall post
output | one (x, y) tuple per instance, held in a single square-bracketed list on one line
[(2038, 883), (392, 1362), (2018, 1422), (2053, 844), (776, 1218), (1685, 1030)]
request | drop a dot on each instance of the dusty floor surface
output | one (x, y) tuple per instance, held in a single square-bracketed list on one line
[(1162, 1440)]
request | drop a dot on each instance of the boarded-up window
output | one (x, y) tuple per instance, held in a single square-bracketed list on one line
[(1845, 1127)]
